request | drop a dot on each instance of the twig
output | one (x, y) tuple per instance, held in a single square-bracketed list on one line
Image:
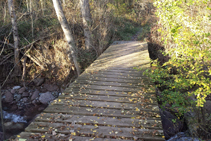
[(7, 57), (5, 43), (24, 69), (2, 119), (38, 40), (34, 60)]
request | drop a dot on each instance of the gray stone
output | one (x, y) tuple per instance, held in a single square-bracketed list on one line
[(21, 90), (13, 91), (17, 97), (39, 81), (25, 99), (45, 98), (8, 97), (25, 94), (35, 95), (16, 87), (181, 136)]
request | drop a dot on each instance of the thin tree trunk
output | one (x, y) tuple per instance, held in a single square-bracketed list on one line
[(42, 7), (32, 20), (64, 2), (87, 22), (67, 32), (27, 5), (5, 12), (15, 36)]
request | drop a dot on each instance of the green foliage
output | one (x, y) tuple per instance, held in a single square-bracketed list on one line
[(118, 7), (185, 31), (126, 30)]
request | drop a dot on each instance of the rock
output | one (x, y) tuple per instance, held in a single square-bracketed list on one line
[(39, 81), (46, 97), (17, 97), (8, 97), (190, 118), (21, 90), (13, 107), (25, 94), (40, 109), (170, 128), (25, 99), (181, 136), (35, 94), (16, 87), (13, 91), (207, 106), (14, 126), (51, 87)]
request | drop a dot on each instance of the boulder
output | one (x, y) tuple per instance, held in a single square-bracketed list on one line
[(181, 136), (35, 95), (8, 97), (171, 124), (45, 98)]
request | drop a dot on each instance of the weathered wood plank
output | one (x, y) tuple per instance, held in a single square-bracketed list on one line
[(60, 137), (84, 92), (138, 113), (98, 131), (100, 121), (108, 98)]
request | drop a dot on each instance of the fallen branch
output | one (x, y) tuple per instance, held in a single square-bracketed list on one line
[(34, 60), (38, 40), (5, 43), (6, 57)]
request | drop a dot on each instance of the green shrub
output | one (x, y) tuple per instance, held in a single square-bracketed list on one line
[(185, 31)]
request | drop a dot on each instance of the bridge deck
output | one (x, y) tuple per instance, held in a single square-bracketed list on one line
[(107, 102)]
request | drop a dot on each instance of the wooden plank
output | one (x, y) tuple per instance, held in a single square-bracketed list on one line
[(138, 113), (103, 88), (100, 121), (110, 76), (111, 79), (60, 137), (101, 83), (108, 98), (97, 131), (69, 92), (113, 105), (111, 88)]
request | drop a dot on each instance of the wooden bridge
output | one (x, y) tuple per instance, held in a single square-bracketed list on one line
[(109, 101)]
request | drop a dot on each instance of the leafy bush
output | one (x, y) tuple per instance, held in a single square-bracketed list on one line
[(185, 31)]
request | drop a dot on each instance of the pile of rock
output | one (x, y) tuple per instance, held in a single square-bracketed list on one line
[(18, 98)]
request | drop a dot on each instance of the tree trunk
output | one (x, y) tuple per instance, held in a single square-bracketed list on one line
[(42, 7), (27, 5), (32, 19), (15, 37), (67, 32), (87, 22), (5, 12)]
